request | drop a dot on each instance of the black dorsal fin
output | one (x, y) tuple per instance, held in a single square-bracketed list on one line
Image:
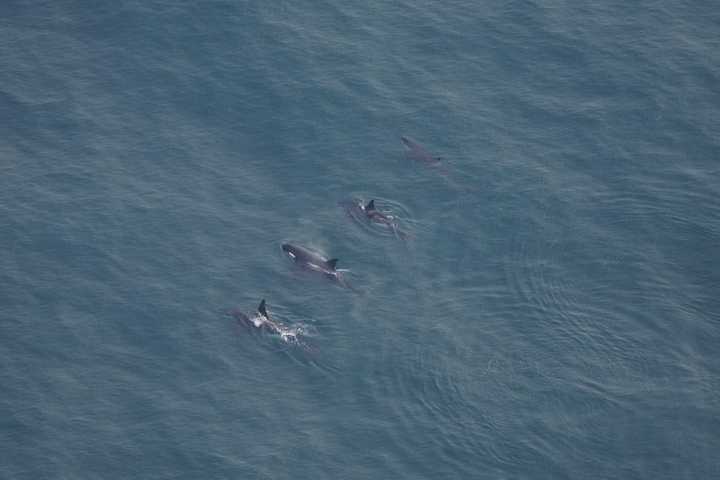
[(370, 205), (262, 309), (331, 263)]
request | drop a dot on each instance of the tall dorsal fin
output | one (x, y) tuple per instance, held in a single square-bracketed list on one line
[(262, 309), (332, 263), (370, 205)]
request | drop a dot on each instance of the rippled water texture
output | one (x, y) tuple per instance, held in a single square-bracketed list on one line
[(551, 312)]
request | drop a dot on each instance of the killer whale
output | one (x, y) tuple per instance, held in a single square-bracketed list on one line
[(373, 214), (417, 152), (314, 262), (261, 320)]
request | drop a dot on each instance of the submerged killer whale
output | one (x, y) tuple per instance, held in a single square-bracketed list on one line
[(417, 152), (314, 262), (374, 215)]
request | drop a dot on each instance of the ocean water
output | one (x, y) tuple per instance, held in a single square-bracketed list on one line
[(554, 312)]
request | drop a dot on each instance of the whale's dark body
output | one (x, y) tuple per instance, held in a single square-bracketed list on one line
[(309, 259), (359, 211), (314, 262), (417, 152), (261, 320)]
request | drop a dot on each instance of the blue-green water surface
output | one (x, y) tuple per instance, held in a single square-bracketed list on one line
[(553, 314)]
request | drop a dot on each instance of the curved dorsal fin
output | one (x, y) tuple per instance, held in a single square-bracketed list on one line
[(370, 205), (332, 263), (262, 310)]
